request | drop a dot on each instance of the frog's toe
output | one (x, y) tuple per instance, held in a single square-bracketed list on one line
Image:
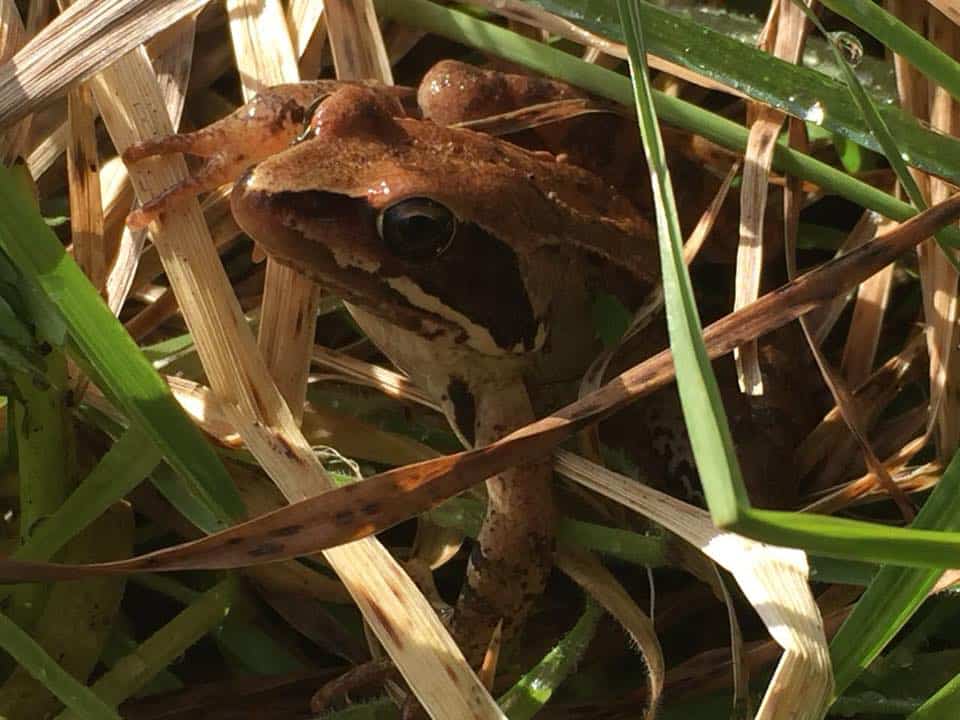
[(140, 217), (158, 146), (152, 209)]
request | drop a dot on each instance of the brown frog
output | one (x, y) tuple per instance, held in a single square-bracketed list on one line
[(469, 261)]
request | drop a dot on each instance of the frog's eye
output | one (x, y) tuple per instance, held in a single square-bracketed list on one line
[(417, 229)]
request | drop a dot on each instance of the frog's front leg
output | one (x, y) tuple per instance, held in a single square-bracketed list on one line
[(255, 131), (512, 558)]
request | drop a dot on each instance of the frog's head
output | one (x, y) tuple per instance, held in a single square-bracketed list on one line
[(447, 233)]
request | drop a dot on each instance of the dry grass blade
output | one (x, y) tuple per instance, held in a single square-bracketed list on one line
[(701, 232), (386, 381), (773, 579), (945, 117), (82, 40), (823, 319), (131, 105), (860, 349), (47, 151), (265, 57), (83, 176), (12, 37), (358, 510), (172, 64), (938, 278), (791, 29), (827, 439), (356, 42), (306, 21), (950, 8), (839, 389), (584, 569)]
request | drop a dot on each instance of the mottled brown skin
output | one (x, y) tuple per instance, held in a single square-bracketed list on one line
[(500, 315)]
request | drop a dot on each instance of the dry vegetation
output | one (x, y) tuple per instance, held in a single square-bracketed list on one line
[(841, 389)]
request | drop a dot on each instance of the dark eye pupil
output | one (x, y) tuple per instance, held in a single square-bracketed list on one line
[(417, 229)]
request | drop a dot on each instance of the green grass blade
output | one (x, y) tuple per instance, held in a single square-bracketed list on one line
[(163, 647), (30, 656), (46, 465), (870, 627), (533, 690), (868, 110), (794, 89), (703, 411), (942, 705), (122, 371), (541, 58), (899, 38), (128, 461)]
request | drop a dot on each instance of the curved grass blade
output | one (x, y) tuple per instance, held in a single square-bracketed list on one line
[(533, 690)]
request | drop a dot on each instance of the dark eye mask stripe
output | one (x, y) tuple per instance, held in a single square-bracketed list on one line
[(479, 276)]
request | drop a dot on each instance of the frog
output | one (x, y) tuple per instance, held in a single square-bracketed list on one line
[(469, 261)]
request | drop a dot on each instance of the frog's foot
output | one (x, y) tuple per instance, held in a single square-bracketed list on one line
[(215, 172), (264, 126)]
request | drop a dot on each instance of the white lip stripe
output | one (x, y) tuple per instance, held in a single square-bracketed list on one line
[(480, 337)]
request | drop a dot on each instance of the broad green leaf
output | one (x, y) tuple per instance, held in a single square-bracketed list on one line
[(801, 92)]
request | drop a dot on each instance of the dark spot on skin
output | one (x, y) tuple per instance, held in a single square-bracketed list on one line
[(344, 517), (286, 531), (451, 673), (370, 508), (266, 550), (236, 541), (464, 408), (298, 325)]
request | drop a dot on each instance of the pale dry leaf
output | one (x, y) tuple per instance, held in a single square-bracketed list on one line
[(356, 41), (80, 41), (791, 31), (774, 580), (587, 571), (863, 338)]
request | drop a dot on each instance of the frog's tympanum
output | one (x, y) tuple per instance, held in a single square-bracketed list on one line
[(468, 260)]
